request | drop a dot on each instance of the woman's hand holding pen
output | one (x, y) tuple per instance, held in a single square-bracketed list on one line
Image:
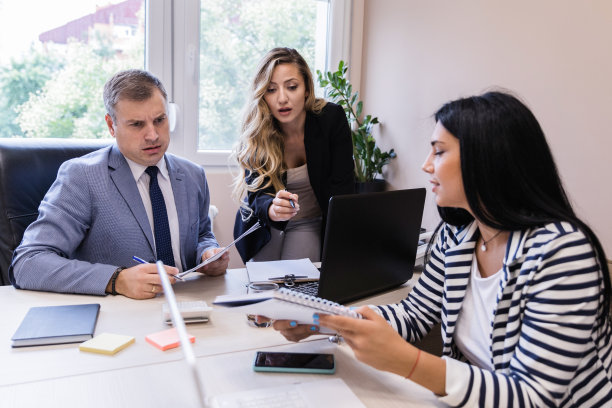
[(284, 206)]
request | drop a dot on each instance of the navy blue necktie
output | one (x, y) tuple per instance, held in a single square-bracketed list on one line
[(161, 227)]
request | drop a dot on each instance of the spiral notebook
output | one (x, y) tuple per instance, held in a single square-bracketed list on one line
[(284, 304)]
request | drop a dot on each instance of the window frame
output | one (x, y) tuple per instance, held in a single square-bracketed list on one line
[(172, 54)]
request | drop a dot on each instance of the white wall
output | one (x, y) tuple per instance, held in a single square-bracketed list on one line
[(555, 54), (219, 185)]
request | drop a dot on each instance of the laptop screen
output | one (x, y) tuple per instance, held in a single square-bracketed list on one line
[(370, 243)]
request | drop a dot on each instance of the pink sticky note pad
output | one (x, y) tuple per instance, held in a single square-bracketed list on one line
[(166, 339)]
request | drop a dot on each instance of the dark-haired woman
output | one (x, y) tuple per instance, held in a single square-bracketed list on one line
[(519, 283)]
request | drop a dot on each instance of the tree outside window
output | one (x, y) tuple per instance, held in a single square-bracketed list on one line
[(234, 36), (54, 88)]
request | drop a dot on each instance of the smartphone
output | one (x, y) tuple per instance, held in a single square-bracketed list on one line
[(311, 363)]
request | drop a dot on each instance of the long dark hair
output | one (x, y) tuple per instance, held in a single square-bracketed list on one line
[(509, 175)]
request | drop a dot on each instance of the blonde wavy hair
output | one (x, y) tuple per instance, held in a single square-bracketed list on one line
[(261, 145)]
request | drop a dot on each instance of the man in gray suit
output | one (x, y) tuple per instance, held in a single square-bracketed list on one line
[(129, 199)]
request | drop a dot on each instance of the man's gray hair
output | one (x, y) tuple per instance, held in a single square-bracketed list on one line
[(133, 85)]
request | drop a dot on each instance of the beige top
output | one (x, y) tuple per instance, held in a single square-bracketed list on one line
[(298, 183)]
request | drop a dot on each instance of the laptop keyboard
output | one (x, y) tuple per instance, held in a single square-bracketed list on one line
[(308, 288)]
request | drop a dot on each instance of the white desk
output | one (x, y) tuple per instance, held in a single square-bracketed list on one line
[(142, 375)]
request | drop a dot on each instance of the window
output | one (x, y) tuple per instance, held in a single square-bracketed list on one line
[(234, 35), (54, 63), (210, 60)]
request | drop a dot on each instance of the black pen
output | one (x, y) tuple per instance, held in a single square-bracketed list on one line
[(291, 201), (282, 278)]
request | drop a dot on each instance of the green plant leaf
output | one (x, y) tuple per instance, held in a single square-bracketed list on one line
[(369, 159)]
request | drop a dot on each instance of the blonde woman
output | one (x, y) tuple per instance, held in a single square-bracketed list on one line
[(296, 153)]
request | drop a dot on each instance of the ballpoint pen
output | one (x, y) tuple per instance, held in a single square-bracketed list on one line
[(291, 202), (288, 280), (142, 261), (287, 277)]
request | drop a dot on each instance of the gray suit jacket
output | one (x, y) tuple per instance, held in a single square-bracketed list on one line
[(92, 220)]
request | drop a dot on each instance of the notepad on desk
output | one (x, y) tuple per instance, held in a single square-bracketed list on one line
[(56, 325), (107, 343), (166, 339)]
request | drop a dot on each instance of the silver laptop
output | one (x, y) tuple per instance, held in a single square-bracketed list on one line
[(313, 394), (179, 324)]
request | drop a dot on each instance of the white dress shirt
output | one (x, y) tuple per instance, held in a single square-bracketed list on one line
[(142, 181)]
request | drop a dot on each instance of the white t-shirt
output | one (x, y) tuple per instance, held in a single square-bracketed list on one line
[(475, 321)]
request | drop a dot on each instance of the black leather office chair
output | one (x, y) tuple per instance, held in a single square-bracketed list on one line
[(28, 167)]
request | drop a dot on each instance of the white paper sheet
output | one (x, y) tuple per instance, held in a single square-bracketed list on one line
[(218, 254)]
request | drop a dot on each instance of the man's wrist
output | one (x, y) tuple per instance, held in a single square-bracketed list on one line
[(113, 281)]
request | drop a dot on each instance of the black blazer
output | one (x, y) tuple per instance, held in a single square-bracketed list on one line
[(329, 156)]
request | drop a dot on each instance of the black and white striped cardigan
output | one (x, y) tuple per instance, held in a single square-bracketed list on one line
[(546, 345)]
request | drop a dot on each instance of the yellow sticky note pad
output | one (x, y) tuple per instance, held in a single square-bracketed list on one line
[(107, 343)]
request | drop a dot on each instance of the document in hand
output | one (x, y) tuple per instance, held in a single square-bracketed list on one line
[(56, 325), (284, 304), (218, 254)]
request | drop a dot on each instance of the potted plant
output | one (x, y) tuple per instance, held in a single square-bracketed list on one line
[(369, 159)]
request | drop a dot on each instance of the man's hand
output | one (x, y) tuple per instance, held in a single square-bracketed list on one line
[(141, 281), (217, 267)]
